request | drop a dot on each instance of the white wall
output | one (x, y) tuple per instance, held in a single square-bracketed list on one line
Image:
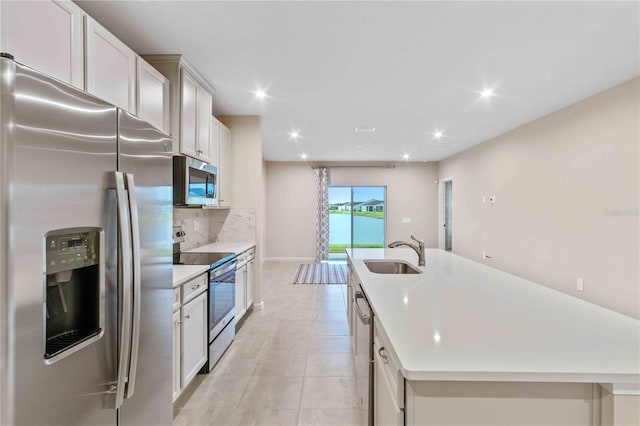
[(291, 202), (247, 177), (567, 195)]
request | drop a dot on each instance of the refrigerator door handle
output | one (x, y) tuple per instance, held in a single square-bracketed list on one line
[(124, 288), (137, 285)]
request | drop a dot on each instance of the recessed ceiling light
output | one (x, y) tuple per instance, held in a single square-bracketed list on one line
[(487, 93), (359, 146), (438, 134), (260, 94), (303, 156), (406, 156), (365, 129), (294, 135)]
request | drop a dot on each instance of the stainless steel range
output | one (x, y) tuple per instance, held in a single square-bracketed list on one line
[(222, 283)]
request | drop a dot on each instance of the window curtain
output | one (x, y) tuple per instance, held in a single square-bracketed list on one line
[(322, 215)]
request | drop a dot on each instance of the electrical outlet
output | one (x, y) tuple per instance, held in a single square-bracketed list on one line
[(196, 226), (580, 284), (406, 220)]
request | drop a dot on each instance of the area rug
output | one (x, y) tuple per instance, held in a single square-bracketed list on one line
[(321, 273)]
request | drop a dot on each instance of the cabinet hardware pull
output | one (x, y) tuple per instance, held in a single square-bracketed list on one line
[(187, 317), (383, 355)]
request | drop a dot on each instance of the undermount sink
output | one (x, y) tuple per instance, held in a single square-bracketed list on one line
[(379, 266)]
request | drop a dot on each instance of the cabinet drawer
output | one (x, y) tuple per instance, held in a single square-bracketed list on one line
[(250, 254), (193, 288), (245, 256), (176, 299), (388, 365)]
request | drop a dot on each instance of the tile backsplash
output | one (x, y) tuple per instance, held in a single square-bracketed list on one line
[(204, 226), (237, 225), (195, 224)]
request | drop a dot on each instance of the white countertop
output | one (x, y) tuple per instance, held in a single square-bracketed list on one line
[(223, 247), (462, 320), (183, 273)]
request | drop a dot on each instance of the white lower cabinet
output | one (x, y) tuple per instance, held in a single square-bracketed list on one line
[(194, 337), (388, 383), (398, 401), (190, 329), (386, 409), (250, 283), (177, 338), (241, 301), (244, 282)]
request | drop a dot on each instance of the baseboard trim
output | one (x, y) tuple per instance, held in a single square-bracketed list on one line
[(290, 259)]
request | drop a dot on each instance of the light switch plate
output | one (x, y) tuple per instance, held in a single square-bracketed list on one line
[(406, 220)]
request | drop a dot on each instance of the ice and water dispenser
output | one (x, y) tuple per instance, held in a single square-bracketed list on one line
[(74, 290)]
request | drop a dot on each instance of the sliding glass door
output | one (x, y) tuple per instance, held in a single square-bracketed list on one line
[(356, 218)]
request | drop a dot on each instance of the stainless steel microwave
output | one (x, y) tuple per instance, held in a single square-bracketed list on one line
[(194, 182)]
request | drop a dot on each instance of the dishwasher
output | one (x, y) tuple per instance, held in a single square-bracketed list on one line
[(364, 354)]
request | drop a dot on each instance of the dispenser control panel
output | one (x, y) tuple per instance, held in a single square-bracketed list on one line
[(71, 250)]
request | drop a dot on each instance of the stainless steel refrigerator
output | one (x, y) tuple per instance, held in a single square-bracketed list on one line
[(85, 258)]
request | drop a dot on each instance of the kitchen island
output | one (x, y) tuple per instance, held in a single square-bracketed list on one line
[(464, 343)]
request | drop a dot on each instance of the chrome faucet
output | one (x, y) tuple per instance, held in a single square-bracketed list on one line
[(418, 248)]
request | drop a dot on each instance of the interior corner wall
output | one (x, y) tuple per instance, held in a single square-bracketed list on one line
[(567, 190), (247, 176), (292, 200)]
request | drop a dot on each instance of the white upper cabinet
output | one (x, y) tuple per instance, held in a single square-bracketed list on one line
[(224, 167), (45, 35), (152, 96), (191, 107), (204, 125), (215, 142), (189, 115), (110, 67)]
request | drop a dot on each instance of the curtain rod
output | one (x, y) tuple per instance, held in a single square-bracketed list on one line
[(383, 166)]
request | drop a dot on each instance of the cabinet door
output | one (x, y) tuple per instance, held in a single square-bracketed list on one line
[(177, 333), (224, 169), (47, 36), (152, 96), (204, 125), (194, 337), (250, 284), (215, 143), (385, 410), (240, 292), (111, 67), (188, 114)]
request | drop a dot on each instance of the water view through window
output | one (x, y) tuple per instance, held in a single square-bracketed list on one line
[(356, 218)]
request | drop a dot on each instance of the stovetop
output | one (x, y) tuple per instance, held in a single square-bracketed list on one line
[(213, 259)]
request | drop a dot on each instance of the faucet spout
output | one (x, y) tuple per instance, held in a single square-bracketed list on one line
[(418, 248)]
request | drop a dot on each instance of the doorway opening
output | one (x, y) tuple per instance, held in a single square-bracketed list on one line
[(446, 214), (357, 218)]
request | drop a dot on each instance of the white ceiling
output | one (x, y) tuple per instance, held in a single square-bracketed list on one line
[(405, 68)]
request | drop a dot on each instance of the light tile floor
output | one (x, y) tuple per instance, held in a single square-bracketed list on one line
[(290, 364)]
